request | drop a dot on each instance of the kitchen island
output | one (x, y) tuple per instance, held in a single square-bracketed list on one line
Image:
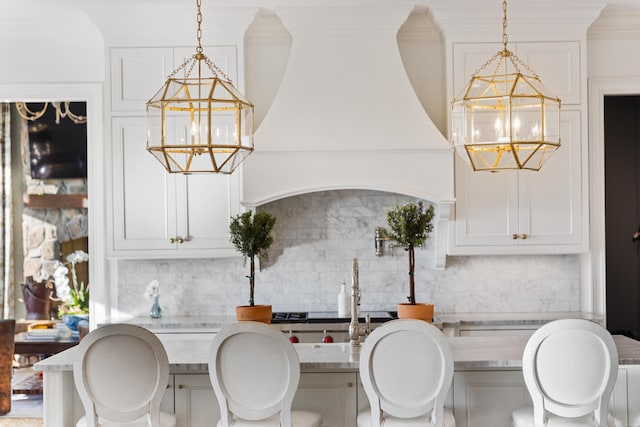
[(487, 382)]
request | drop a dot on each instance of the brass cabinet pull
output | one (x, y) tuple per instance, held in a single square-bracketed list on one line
[(180, 240), (172, 240), (523, 236), (180, 386), (514, 236), (349, 385)]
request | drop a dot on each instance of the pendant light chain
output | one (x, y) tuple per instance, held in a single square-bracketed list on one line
[(199, 31), (505, 38)]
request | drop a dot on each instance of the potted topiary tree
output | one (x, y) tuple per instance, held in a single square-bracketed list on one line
[(251, 236), (410, 226)]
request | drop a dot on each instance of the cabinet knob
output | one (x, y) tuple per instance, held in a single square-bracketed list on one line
[(180, 240), (514, 236), (172, 240), (523, 236), (349, 385), (180, 386)]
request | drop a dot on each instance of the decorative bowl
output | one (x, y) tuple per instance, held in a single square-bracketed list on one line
[(71, 320)]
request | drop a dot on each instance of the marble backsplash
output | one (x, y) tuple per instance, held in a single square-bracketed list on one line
[(317, 236)]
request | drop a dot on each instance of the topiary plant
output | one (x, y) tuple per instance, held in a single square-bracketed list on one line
[(251, 236), (410, 226)]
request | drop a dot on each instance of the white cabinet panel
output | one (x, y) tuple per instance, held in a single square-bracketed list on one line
[(556, 63), (558, 66), (487, 398), (331, 394), (143, 193), (482, 399), (524, 211), (136, 75), (158, 214), (195, 401)]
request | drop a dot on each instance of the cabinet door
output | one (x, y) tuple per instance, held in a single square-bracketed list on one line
[(154, 211), (525, 212), (482, 399), (486, 207), (552, 199), (195, 401), (137, 74), (205, 205), (144, 195), (331, 394), (558, 66)]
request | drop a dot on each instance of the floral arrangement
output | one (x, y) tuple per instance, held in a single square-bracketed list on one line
[(75, 298), (152, 290)]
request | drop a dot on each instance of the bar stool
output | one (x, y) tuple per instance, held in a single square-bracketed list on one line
[(255, 371), (570, 367), (406, 367), (121, 373)]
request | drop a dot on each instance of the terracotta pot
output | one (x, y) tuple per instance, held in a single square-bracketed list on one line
[(256, 313), (418, 311)]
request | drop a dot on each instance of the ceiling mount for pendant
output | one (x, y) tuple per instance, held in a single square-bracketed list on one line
[(198, 122), (506, 120)]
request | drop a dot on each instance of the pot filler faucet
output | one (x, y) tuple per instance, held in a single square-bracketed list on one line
[(355, 331)]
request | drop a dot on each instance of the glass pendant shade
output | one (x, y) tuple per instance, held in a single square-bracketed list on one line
[(200, 124), (505, 120)]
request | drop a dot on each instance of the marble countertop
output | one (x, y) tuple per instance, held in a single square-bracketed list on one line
[(205, 324), (189, 354)]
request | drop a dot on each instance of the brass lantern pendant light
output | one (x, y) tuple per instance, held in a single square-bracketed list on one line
[(507, 120), (199, 122)]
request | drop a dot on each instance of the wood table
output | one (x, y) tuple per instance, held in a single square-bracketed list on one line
[(45, 347)]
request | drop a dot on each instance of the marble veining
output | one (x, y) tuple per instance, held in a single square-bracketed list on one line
[(468, 353), (317, 235)]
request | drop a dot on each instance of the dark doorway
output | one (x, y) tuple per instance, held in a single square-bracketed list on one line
[(622, 190)]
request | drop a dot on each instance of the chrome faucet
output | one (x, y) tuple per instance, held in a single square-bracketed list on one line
[(355, 331)]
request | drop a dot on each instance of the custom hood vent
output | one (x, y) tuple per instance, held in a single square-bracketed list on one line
[(345, 115)]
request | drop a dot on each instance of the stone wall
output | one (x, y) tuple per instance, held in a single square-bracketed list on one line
[(44, 229)]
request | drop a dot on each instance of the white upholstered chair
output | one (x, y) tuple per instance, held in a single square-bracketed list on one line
[(570, 367), (406, 367), (254, 372), (121, 373)]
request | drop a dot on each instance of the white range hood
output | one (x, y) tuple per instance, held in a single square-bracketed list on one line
[(345, 115)]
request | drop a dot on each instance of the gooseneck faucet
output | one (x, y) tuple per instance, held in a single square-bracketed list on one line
[(355, 331)]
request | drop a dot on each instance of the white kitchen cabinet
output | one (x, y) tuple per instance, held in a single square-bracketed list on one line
[(558, 64), (138, 73), (526, 212), (195, 401), (157, 214), (334, 395), (487, 398)]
